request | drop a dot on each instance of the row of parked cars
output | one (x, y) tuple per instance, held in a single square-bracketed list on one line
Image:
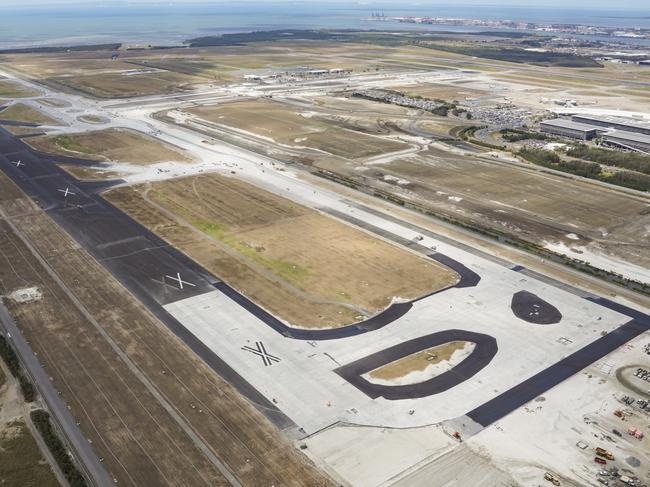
[(642, 374), (640, 403)]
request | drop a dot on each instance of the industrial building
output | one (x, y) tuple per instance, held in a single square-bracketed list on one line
[(569, 128), (628, 140), (618, 123)]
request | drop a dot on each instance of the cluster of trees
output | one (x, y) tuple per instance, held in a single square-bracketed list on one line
[(516, 135), (628, 160), (11, 359), (586, 169), (53, 49), (467, 134), (457, 112), (631, 180), (266, 36), (41, 420)]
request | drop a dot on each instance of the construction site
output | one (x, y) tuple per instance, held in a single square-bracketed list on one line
[(315, 263)]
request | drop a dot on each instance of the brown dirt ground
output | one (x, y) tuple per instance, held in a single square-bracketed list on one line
[(141, 443), (20, 112), (417, 362), (83, 173), (251, 239), (52, 102), (21, 461), (118, 145), (285, 125)]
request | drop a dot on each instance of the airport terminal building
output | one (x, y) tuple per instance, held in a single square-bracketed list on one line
[(615, 131), (627, 140), (617, 123), (569, 128)]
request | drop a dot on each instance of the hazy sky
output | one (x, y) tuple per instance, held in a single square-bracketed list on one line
[(524, 3)]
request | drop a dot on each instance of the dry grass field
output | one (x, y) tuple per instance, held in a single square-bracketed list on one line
[(535, 206), (83, 173), (21, 461), (294, 127), (94, 73), (306, 268), (143, 72), (116, 145), (15, 130), (142, 444), (19, 112), (11, 89), (119, 85), (52, 102), (416, 362)]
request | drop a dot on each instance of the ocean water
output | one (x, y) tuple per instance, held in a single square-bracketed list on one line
[(169, 24)]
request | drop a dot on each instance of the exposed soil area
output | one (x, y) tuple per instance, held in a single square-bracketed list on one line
[(417, 362)]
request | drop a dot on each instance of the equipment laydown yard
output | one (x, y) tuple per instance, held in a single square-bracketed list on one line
[(306, 268)]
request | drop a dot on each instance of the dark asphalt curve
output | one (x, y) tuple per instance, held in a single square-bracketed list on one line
[(468, 278), (528, 390), (485, 350), (533, 309)]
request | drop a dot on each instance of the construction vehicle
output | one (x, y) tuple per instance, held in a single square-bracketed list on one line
[(600, 460), (601, 452), (551, 478)]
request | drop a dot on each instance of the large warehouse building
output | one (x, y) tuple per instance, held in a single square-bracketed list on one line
[(628, 125), (628, 140), (569, 128)]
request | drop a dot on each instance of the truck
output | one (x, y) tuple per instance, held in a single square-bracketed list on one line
[(551, 478), (600, 461), (601, 452)]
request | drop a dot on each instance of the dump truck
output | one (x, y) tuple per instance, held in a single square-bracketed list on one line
[(601, 452)]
